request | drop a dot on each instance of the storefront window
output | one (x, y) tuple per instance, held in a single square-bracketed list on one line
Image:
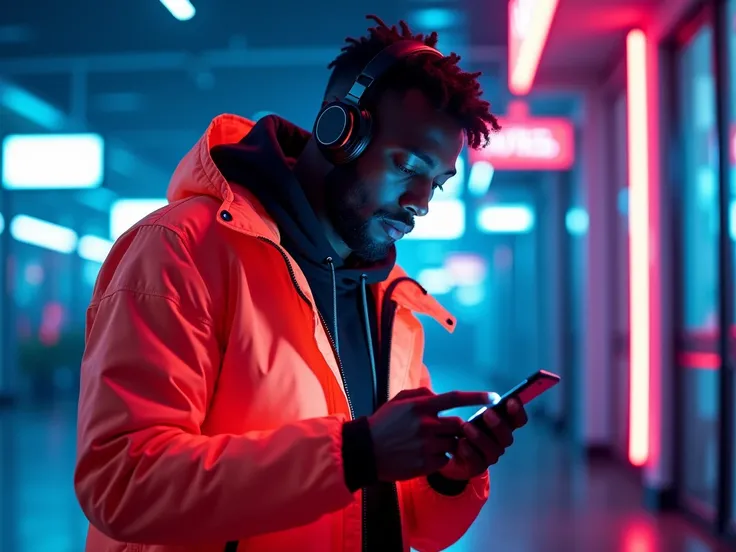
[(698, 269), (731, 18)]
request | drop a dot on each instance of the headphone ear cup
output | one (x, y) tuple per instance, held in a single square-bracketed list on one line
[(333, 129), (342, 132), (360, 138)]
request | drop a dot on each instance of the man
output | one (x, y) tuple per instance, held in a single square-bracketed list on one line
[(253, 374)]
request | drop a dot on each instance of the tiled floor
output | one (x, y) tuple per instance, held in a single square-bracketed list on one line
[(543, 497)]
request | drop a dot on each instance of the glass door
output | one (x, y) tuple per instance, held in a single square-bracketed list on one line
[(697, 273), (729, 37), (705, 181)]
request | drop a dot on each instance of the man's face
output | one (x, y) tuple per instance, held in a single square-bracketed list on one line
[(372, 202)]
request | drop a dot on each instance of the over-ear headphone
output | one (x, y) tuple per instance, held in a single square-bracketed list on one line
[(343, 128)]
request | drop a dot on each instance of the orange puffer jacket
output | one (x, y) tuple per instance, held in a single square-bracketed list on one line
[(211, 403)]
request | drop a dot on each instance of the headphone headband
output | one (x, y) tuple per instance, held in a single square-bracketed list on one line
[(344, 127), (382, 62)]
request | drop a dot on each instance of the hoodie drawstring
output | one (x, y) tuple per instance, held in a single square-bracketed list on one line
[(366, 320), (335, 333), (369, 336)]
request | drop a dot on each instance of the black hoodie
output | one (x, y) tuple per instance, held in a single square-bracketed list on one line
[(262, 161)]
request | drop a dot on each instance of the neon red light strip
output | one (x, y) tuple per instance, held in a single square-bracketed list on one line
[(529, 24), (639, 246)]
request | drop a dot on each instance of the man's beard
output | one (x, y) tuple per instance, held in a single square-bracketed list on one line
[(344, 197)]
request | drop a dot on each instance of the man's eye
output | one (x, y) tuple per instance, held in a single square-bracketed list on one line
[(407, 170)]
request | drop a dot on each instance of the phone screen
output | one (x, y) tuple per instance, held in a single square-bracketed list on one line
[(526, 391)]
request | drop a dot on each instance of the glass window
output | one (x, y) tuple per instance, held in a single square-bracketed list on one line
[(576, 281), (731, 17), (698, 271)]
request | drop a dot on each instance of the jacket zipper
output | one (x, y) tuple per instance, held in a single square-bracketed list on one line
[(301, 293)]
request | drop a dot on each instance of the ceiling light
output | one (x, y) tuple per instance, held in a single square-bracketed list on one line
[(183, 10)]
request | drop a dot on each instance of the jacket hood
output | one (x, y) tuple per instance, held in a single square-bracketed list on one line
[(197, 174)]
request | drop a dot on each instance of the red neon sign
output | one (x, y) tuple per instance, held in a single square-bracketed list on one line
[(530, 144), (529, 23)]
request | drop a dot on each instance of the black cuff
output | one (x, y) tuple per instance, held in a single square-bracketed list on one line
[(358, 459), (446, 486)]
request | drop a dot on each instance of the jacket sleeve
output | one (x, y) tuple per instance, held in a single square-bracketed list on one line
[(435, 520), (145, 473)]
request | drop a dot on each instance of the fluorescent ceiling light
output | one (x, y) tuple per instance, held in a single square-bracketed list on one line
[(445, 221), (435, 18), (505, 219), (94, 248), (44, 234), (127, 212), (436, 281), (52, 161), (31, 107), (481, 175), (183, 10), (453, 188)]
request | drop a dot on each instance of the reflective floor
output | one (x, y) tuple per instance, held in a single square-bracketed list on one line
[(543, 497)]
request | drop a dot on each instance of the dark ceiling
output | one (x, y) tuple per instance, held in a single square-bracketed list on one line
[(92, 27), (150, 84)]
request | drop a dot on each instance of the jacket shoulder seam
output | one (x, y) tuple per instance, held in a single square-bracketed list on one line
[(157, 222), (124, 289), (169, 297)]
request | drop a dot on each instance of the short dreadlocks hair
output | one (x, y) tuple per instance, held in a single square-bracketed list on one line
[(448, 87)]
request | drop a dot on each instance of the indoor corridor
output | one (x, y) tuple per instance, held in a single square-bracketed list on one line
[(594, 237)]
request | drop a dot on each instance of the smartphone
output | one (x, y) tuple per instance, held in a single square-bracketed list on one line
[(526, 391)]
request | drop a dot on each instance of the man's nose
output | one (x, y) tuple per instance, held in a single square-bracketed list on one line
[(416, 201)]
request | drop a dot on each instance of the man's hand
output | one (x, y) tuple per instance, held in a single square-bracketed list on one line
[(410, 439), (478, 449)]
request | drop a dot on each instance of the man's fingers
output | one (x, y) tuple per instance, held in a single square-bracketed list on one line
[(450, 425), (412, 393), (443, 445), (499, 428), (454, 399), (516, 414)]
